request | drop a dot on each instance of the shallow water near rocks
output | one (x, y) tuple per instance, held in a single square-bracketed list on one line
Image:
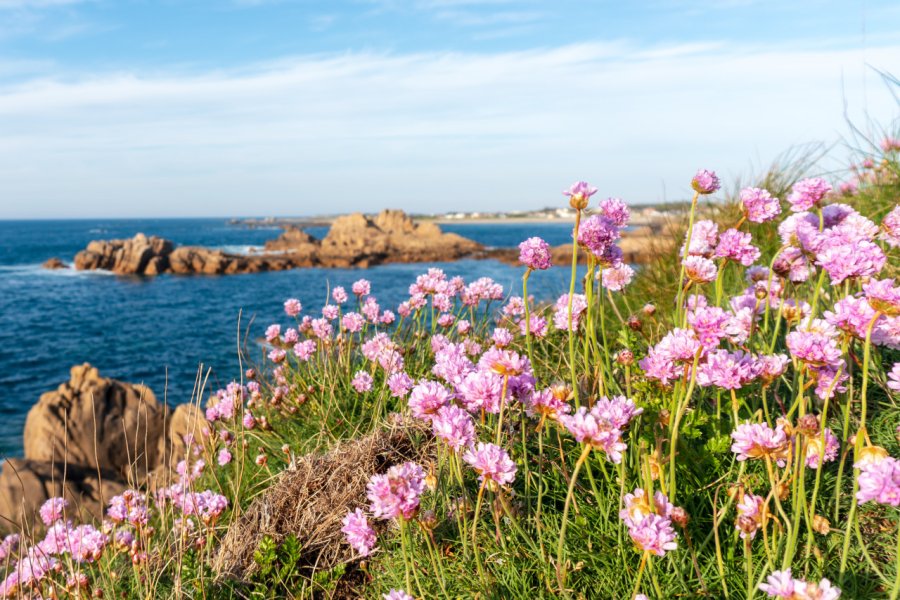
[(160, 330)]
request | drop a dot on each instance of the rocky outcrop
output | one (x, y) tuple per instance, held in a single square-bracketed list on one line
[(96, 422), (54, 263), (90, 439), (353, 241), (358, 241)]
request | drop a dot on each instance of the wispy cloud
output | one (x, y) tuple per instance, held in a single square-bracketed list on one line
[(427, 131)]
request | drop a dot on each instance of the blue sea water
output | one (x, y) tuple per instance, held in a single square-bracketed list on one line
[(160, 330)]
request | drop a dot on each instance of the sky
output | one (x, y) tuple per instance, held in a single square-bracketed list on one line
[(136, 108)]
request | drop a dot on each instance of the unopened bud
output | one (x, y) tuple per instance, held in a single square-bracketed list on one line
[(649, 310), (634, 323), (821, 524), (625, 357)]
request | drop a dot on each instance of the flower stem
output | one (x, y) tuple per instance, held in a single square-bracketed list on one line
[(560, 546), (571, 298)]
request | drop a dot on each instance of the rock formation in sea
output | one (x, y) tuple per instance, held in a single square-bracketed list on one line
[(90, 439), (353, 241), (54, 263)]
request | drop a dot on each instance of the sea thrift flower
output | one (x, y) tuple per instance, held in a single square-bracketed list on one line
[(361, 287), (883, 296), (700, 270), (710, 324), (273, 332), (727, 370), (481, 390), (362, 382), (758, 205), (53, 510), (400, 383), (224, 457), (304, 350), (816, 348), (358, 533), (397, 595), (894, 378), (427, 398), (277, 355), (705, 182), (454, 426), (653, 534), (501, 337), (616, 278), (292, 307), (754, 440), (704, 239), (9, 546), (597, 234), (781, 584), (353, 322), (616, 211), (814, 449), (891, 227), (561, 316), (339, 295), (534, 253), (735, 245), (601, 427), (749, 518), (771, 367), (579, 193), (396, 493), (549, 404), (492, 463), (806, 193), (879, 481)]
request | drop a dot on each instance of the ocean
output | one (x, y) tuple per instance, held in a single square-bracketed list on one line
[(159, 330)]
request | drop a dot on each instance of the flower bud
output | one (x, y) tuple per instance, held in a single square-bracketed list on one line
[(821, 524)]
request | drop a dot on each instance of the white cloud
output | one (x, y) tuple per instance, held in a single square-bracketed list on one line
[(20, 4), (428, 131)]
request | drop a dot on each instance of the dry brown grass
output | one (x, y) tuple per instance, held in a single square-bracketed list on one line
[(310, 499)]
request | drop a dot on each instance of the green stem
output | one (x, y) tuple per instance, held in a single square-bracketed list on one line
[(571, 298), (560, 546)]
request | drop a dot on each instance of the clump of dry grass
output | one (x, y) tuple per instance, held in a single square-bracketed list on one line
[(313, 495)]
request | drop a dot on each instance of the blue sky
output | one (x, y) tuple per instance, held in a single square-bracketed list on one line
[(258, 107)]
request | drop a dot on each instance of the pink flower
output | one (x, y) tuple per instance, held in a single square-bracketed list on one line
[(9, 546), (396, 493), (534, 253), (454, 426), (353, 322), (361, 287), (358, 533), (616, 278), (758, 205), (890, 227), (749, 518), (492, 463), (397, 595), (817, 348), (710, 324), (781, 584), (759, 441), (883, 296), (806, 193), (277, 355), (894, 378), (248, 421), (561, 316), (727, 370), (597, 234), (735, 245), (700, 269), (879, 481), (481, 390), (339, 295), (501, 337), (292, 307), (548, 404), (616, 211), (653, 534), (53, 510), (427, 398), (362, 382), (815, 451), (400, 383), (705, 182), (224, 457), (273, 332), (704, 239), (304, 350), (580, 190)]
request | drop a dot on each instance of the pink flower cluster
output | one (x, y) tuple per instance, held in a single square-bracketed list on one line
[(602, 426), (781, 584), (649, 522), (492, 463), (396, 493), (358, 532), (534, 253)]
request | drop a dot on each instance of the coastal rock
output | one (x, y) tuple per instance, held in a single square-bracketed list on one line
[(295, 240), (353, 241), (98, 423), (126, 257), (54, 263), (26, 484), (358, 241)]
